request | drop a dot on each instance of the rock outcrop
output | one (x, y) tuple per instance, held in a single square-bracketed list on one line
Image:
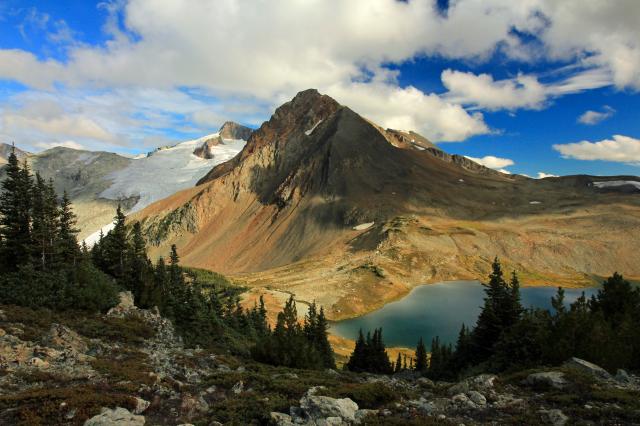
[(115, 417)]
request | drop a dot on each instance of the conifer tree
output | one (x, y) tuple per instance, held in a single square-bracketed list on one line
[(115, 247), (45, 217), (421, 356), (398, 366), (67, 242), (15, 215)]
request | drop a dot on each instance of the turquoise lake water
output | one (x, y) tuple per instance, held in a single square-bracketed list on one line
[(439, 309)]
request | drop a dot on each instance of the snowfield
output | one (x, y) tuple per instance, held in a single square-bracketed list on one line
[(167, 171), (617, 183), (163, 173)]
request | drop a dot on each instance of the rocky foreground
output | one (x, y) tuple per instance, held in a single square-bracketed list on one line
[(130, 368)]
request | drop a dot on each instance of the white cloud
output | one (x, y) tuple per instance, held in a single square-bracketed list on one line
[(542, 175), (493, 162), (523, 91), (261, 53), (66, 144), (594, 117), (621, 149), (410, 108)]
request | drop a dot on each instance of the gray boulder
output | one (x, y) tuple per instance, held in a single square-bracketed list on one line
[(588, 367), (481, 383), (623, 377), (115, 417), (318, 407), (550, 379), (555, 417)]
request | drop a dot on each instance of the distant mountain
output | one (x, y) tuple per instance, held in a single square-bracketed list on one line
[(325, 204), (98, 181), (229, 133), (5, 151)]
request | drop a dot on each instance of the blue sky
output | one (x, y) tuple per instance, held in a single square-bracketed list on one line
[(517, 85)]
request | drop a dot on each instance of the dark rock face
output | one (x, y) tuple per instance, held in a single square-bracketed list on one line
[(204, 150), (232, 130)]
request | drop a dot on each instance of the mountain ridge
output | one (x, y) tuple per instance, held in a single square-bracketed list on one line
[(288, 211)]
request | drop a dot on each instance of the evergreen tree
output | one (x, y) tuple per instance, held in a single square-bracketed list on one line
[(357, 361), (115, 247), (398, 366), (501, 311), (421, 356), (45, 218), (15, 216), (66, 241)]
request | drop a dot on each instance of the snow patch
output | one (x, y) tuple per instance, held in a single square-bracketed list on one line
[(614, 183), (363, 226), (93, 238), (535, 202), (167, 171), (308, 132)]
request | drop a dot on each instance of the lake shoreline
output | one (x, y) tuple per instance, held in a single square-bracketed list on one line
[(437, 309)]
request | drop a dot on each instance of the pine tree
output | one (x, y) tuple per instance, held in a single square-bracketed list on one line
[(501, 310), (398, 366), (421, 356), (45, 219), (67, 242), (115, 245), (321, 340), (357, 361), (15, 216)]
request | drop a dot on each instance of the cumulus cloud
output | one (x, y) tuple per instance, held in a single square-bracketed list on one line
[(259, 54), (594, 117), (493, 162), (542, 175), (621, 149), (523, 91), (409, 108)]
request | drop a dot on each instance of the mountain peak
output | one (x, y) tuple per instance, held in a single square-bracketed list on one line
[(233, 130)]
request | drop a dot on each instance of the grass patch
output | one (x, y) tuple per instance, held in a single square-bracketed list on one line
[(37, 322), (42, 406), (126, 365), (366, 395)]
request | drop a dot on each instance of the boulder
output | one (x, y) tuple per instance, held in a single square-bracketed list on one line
[(281, 419), (361, 415), (115, 417), (477, 398), (141, 405), (555, 417), (320, 407), (588, 367), (462, 401), (481, 383), (238, 388), (623, 377), (38, 363), (125, 306), (549, 379)]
